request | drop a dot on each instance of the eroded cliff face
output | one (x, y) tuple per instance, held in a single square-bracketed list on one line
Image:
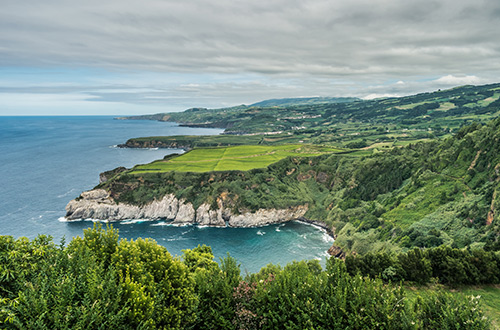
[(98, 204)]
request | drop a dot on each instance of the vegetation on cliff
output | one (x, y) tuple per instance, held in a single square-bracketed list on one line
[(99, 281), (407, 205), (422, 195)]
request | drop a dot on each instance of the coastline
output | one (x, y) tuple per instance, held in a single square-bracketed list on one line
[(319, 224), (132, 144)]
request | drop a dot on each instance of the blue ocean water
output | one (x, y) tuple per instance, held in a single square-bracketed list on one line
[(47, 161)]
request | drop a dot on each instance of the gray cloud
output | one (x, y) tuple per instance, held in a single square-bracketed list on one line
[(287, 47), (272, 37)]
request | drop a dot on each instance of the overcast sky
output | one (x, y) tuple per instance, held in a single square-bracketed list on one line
[(147, 56)]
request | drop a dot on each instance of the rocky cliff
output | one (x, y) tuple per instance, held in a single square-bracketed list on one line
[(133, 143), (98, 204), (105, 176)]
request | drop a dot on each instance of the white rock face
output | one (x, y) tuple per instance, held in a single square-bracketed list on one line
[(97, 204), (263, 217), (207, 217), (186, 213)]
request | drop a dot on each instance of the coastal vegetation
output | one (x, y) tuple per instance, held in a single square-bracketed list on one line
[(408, 185), (101, 281), (443, 264), (427, 194)]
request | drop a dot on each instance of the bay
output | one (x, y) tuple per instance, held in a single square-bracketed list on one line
[(47, 161)]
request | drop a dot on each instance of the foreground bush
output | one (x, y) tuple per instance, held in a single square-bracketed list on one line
[(99, 282)]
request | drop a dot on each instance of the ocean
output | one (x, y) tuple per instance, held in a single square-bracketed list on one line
[(47, 161)]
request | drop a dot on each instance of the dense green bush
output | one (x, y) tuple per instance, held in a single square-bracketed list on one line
[(99, 282), (445, 264)]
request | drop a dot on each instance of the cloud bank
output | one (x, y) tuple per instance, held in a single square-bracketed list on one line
[(246, 50)]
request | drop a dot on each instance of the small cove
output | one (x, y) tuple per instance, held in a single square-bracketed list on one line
[(47, 161)]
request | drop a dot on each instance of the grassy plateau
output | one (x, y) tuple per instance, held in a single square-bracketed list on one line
[(237, 158)]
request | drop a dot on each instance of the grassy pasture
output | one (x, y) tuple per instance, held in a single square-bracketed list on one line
[(241, 158)]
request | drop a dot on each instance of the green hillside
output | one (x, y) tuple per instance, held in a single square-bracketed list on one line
[(303, 101), (423, 195), (351, 123), (416, 176)]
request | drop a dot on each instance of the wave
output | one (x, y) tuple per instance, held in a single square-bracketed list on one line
[(171, 224), (174, 239), (64, 219), (66, 193), (327, 238), (161, 223), (132, 221), (321, 228)]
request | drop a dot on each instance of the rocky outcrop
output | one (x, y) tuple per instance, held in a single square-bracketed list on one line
[(105, 176), (155, 144), (336, 252), (263, 217), (98, 204), (207, 217)]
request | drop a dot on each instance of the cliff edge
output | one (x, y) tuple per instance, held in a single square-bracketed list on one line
[(98, 204)]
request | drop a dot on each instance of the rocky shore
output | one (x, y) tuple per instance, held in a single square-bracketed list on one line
[(98, 204), (330, 231), (134, 144)]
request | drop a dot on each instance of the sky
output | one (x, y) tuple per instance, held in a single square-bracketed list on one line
[(125, 57)]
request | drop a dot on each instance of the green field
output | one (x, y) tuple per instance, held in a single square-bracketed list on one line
[(242, 158)]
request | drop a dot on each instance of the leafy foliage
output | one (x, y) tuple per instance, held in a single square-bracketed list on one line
[(442, 264), (99, 282)]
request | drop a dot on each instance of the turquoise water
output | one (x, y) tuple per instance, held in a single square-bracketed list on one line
[(47, 161)]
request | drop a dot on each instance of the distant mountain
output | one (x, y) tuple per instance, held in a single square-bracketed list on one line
[(303, 101)]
